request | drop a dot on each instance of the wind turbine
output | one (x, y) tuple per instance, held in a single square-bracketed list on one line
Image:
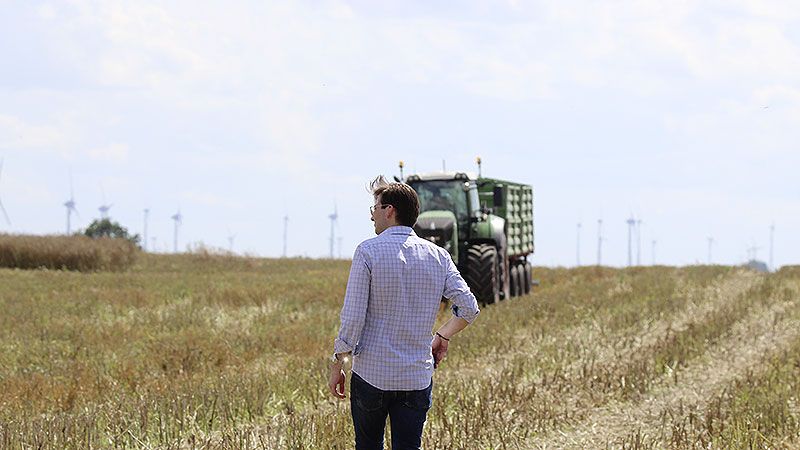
[(70, 204), (5, 214), (144, 232), (178, 218), (578, 246), (653, 243), (285, 232), (231, 237), (710, 244), (771, 240), (104, 207), (752, 252), (639, 242), (599, 241), (631, 222), (334, 217)]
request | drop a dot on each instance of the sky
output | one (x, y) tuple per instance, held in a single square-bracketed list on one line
[(682, 114)]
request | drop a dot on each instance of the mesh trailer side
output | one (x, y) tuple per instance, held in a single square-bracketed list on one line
[(514, 203)]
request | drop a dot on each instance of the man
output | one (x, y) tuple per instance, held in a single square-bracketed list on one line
[(396, 284)]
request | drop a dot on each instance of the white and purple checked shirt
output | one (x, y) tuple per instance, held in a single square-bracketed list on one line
[(396, 284)]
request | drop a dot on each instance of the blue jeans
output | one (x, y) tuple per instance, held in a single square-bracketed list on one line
[(406, 410)]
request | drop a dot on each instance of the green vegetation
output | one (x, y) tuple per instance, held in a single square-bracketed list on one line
[(105, 228), (215, 351), (76, 252)]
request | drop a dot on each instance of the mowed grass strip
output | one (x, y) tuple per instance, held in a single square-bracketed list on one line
[(547, 385), (676, 348), (765, 330), (757, 409)]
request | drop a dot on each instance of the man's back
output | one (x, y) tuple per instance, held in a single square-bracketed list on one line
[(407, 280), (394, 291)]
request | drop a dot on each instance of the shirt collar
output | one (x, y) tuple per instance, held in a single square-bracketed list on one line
[(399, 230)]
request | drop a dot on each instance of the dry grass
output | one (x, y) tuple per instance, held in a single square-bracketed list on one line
[(65, 253), (214, 351)]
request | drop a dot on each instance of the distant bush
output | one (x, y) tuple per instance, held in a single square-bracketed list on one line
[(66, 252), (105, 228)]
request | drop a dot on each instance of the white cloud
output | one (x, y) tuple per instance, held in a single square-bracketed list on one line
[(210, 199), (116, 152), (16, 134)]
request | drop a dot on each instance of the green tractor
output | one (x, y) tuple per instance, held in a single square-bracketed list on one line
[(487, 226)]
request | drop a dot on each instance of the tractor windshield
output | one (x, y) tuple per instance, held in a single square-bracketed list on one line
[(443, 195)]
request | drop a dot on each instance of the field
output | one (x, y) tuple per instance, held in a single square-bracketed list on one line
[(202, 351)]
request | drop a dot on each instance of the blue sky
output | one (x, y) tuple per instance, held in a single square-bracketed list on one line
[(682, 113)]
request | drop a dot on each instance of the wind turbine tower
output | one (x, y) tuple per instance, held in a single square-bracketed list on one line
[(144, 230), (653, 243), (710, 244), (285, 233), (334, 217), (752, 252), (578, 246), (178, 218), (231, 237), (599, 241), (70, 204), (104, 211), (104, 207), (631, 223), (639, 242), (771, 241), (5, 214)]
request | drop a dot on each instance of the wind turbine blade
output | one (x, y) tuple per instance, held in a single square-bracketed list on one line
[(5, 214)]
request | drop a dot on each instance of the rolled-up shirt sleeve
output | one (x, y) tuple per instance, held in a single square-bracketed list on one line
[(456, 290), (356, 299)]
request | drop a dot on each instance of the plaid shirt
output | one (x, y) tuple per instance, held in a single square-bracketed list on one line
[(396, 285)]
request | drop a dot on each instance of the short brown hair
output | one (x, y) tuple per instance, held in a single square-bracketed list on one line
[(400, 195)]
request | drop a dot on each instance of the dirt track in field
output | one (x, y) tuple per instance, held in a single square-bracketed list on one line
[(764, 331)]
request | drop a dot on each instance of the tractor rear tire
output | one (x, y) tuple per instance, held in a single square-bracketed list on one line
[(482, 272)]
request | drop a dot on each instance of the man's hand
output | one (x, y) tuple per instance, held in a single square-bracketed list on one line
[(439, 349), (337, 380)]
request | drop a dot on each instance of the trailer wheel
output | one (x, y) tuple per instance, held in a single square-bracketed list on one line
[(526, 277), (481, 273), (515, 281)]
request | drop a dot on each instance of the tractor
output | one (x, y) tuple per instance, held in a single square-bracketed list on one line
[(486, 225)]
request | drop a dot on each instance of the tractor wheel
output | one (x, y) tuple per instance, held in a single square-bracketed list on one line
[(503, 269), (526, 278), (515, 291), (504, 278), (481, 273)]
